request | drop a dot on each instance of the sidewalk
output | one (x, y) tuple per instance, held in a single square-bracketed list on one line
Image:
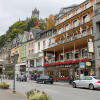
[(8, 95)]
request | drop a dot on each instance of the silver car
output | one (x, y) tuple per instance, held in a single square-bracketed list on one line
[(90, 82)]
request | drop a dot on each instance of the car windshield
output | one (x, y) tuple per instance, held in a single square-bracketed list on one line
[(44, 77), (97, 78)]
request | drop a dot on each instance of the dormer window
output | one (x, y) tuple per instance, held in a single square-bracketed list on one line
[(86, 4)]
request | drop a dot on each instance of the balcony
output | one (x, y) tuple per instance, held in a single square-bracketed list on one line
[(71, 27), (79, 11), (69, 40)]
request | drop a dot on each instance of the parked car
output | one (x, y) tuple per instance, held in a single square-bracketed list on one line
[(90, 82), (21, 78), (45, 79)]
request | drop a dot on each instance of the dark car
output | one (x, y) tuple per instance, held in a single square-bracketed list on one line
[(21, 78), (45, 79)]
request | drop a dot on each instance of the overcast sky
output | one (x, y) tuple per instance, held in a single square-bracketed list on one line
[(12, 10)]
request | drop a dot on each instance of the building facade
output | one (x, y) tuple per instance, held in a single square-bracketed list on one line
[(96, 28), (72, 53), (31, 50), (16, 49), (42, 41)]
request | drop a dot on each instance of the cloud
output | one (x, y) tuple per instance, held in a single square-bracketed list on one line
[(12, 10)]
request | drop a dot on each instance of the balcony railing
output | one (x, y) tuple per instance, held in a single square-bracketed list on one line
[(68, 40)]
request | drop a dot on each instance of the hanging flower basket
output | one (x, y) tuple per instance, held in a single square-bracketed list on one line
[(86, 59), (77, 61)]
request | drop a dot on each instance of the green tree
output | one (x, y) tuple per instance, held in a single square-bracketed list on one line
[(2, 40), (31, 23), (15, 29)]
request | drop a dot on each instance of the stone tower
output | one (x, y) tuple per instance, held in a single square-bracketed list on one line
[(35, 13)]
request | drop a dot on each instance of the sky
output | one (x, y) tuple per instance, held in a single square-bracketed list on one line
[(13, 10)]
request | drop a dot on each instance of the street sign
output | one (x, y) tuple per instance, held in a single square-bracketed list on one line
[(82, 65)]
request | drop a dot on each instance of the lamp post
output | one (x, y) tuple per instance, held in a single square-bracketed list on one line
[(14, 58)]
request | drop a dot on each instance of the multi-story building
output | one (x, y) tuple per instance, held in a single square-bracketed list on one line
[(31, 46), (5, 57), (43, 40), (96, 31), (24, 52), (16, 49), (72, 53)]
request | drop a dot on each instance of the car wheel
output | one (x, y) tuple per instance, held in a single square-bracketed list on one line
[(44, 82), (74, 85), (51, 82), (91, 87)]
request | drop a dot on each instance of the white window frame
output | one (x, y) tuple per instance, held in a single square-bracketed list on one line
[(83, 16), (81, 51), (75, 52), (70, 57)]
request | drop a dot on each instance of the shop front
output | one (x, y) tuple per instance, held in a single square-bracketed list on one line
[(62, 71)]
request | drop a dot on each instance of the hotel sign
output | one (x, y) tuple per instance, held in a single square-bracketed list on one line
[(90, 46), (88, 63)]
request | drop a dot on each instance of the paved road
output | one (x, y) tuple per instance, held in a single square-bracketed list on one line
[(57, 92)]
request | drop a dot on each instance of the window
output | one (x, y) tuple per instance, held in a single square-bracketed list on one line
[(38, 45), (39, 62), (99, 27), (76, 54), (84, 19), (68, 55), (32, 50), (98, 51), (84, 53), (63, 73), (49, 41), (44, 44), (82, 78), (68, 36), (86, 4), (75, 35), (88, 78), (61, 57), (31, 63), (84, 31), (32, 43), (74, 23), (67, 27)]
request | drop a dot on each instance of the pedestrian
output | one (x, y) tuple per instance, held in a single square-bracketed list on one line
[(71, 79)]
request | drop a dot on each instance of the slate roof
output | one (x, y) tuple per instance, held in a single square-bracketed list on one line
[(35, 32)]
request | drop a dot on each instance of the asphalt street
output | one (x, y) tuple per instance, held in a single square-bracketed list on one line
[(58, 92)]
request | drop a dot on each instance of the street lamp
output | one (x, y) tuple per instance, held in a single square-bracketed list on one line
[(14, 58)]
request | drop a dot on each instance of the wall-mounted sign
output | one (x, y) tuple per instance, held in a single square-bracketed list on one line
[(82, 65), (88, 63), (90, 46)]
